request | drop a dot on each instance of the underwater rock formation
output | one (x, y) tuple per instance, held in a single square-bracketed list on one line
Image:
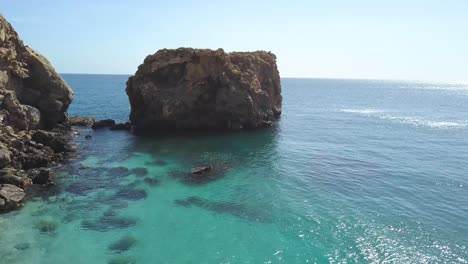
[(199, 89)]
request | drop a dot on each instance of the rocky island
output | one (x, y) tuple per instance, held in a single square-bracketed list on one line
[(201, 89), (33, 114)]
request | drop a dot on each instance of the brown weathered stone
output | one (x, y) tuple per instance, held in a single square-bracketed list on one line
[(81, 121), (205, 89), (11, 196), (33, 104)]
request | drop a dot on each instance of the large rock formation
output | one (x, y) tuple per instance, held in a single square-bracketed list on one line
[(32, 94), (32, 97), (205, 89)]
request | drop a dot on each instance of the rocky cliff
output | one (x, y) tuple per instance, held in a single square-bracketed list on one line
[(186, 89), (32, 97)]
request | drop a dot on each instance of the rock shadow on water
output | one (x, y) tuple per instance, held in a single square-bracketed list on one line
[(123, 244), (230, 208)]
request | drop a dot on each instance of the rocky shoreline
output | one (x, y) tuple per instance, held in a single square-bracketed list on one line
[(34, 130)]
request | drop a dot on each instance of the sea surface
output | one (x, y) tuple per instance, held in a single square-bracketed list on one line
[(355, 171)]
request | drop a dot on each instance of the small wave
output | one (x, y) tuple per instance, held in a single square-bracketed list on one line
[(415, 121), (362, 111)]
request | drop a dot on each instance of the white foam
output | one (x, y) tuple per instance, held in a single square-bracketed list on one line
[(410, 120), (418, 121), (362, 111)]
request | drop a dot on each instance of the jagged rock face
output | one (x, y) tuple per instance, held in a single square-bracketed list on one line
[(11, 197), (205, 89), (32, 97), (32, 94)]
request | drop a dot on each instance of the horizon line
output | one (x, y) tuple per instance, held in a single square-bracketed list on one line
[(313, 78)]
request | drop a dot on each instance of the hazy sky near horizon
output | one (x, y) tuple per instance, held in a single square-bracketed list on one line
[(369, 39)]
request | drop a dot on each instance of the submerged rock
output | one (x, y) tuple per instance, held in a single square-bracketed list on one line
[(230, 208), (131, 194), (92, 179), (200, 175), (205, 89), (151, 181), (139, 172), (118, 172), (22, 246), (123, 244), (201, 170), (109, 222), (46, 226)]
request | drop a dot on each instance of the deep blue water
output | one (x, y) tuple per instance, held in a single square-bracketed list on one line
[(355, 171)]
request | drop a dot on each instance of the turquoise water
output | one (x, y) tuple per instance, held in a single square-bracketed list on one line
[(354, 172)]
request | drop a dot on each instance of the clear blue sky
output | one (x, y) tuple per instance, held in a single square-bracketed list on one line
[(394, 39)]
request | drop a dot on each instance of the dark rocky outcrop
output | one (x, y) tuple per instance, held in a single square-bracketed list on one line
[(122, 126), (205, 89), (33, 112), (103, 123), (33, 93)]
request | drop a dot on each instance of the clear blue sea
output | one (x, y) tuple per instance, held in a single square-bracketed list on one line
[(355, 171)]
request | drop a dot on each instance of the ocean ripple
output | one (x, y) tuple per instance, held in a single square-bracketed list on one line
[(409, 120)]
